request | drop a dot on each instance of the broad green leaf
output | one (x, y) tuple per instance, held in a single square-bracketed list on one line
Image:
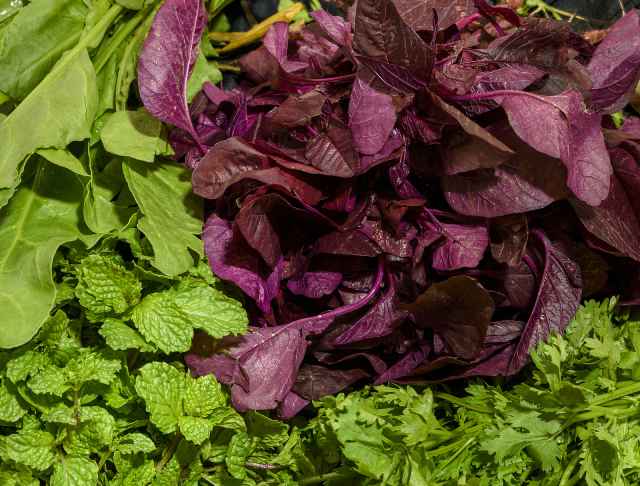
[(65, 159), (59, 110), (105, 287), (162, 387), (162, 323), (29, 446), (172, 214), (42, 216), (131, 4), (121, 337), (35, 39), (102, 208), (169, 475), (134, 134), (74, 471), (195, 429), (203, 71), (10, 408)]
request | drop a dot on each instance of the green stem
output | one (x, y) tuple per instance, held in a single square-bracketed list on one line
[(103, 459), (321, 478), (631, 389), (460, 402), (118, 38), (168, 452), (564, 480)]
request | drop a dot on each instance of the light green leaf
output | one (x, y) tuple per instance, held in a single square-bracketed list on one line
[(227, 418), (195, 429), (131, 4), (96, 431), (135, 442), (25, 365), (203, 395), (269, 432), (31, 447), (105, 287), (42, 216), (51, 380), (162, 387), (20, 476), (121, 337), (65, 159), (172, 215), (211, 310), (239, 449), (74, 471), (60, 414), (162, 323), (10, 408), (170, 474), (90, 366), (133, 134), (203, 71), (59, 110), (35, 39), (105, 208)]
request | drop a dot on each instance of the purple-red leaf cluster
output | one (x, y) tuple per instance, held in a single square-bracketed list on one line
[(420, 194)]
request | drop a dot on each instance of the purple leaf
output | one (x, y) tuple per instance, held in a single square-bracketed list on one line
[(232, 259), (614, 221), (167, 58), (389, 47), (405, 366), (418, 14), (372, 116), (291, 405), (333, 153), (315, 285), (336, 28), (463, 247), (615, 65), (509, 235), (459, 310), (528, 181), (314, 382), (557, 300), (270, 358), (560, 127), (379, 321)]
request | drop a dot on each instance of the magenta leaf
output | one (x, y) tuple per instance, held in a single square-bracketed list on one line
[(167, 58)]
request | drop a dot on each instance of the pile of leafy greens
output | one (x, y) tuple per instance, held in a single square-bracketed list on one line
[(413, 194), (76, 409)]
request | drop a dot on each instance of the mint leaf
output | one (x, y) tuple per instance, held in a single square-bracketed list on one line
[(162, 387), (162, 323), (211, 310), (195, 429), (31, 447), (203, 395), (134, 442), (96, 431), (238, 451), (121, 337), (91, 366), (10, 408), (25, 365), (105, 287), (51, 380), (74, 471)]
